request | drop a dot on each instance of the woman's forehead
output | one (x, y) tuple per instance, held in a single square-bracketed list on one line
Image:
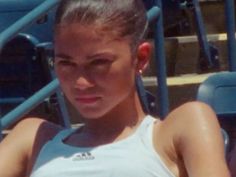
[(76, 31), (77, 35), (84, 43), (93, 31)]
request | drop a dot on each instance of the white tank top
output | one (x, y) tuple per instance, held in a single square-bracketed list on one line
[(133, 156)]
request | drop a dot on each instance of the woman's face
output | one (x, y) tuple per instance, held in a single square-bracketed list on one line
[(96, 73)]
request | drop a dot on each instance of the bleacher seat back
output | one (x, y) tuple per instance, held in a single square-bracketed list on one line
[(219, 91)]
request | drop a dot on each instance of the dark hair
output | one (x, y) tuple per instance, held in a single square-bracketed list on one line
[(121, 18)]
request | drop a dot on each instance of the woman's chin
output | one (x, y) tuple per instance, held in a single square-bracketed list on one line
[(91, 114)]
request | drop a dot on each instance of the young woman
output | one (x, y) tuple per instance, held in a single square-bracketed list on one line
[(99, 50)]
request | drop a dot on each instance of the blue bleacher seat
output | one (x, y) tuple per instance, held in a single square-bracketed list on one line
[(219, 91)]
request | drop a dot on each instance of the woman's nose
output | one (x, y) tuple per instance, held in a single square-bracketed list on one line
[(83, 83)]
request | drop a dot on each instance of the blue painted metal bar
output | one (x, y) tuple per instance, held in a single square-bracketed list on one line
[(202, 37), (230, 27), (11, 100), (29, 104), (7, 35), (46, 50), (25, 21), (162, 94), (65, 114), (153, 13), (63, 108)]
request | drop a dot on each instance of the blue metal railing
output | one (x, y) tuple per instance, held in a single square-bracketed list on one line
[(25, 21), (6, 36), (152, 15), (46, 53), (29, 104), (230, 27), (208, 52), (162, 93), (202, 37)]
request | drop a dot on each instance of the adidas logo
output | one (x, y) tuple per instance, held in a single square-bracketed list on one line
[(83, 156)]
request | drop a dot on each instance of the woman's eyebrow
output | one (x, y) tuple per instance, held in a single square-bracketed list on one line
[(64, 56), (103, 54)]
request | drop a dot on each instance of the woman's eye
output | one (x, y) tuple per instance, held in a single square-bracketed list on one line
[(100, 62), (64, 63)]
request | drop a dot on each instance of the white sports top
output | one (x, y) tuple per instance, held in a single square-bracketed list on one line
[(133, 156)]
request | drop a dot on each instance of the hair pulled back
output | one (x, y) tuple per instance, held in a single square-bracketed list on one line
[(120, 18)]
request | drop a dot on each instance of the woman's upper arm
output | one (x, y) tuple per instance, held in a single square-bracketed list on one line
[(16, 149), (199, 141)]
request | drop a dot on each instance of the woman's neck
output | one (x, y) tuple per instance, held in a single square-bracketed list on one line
[(114, 126), (124, 118)]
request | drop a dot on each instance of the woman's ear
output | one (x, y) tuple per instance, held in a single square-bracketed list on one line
[(143, 56)]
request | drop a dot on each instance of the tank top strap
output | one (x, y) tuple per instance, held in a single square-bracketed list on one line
[(146, 125), (63, 134)]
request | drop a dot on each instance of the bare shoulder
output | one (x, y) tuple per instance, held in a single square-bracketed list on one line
[(21, 143), (191, 116), (192, 123), (27, 130), (190, 119), (193, 134)]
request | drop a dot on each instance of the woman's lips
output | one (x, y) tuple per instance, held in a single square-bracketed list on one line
[(87, 100)]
